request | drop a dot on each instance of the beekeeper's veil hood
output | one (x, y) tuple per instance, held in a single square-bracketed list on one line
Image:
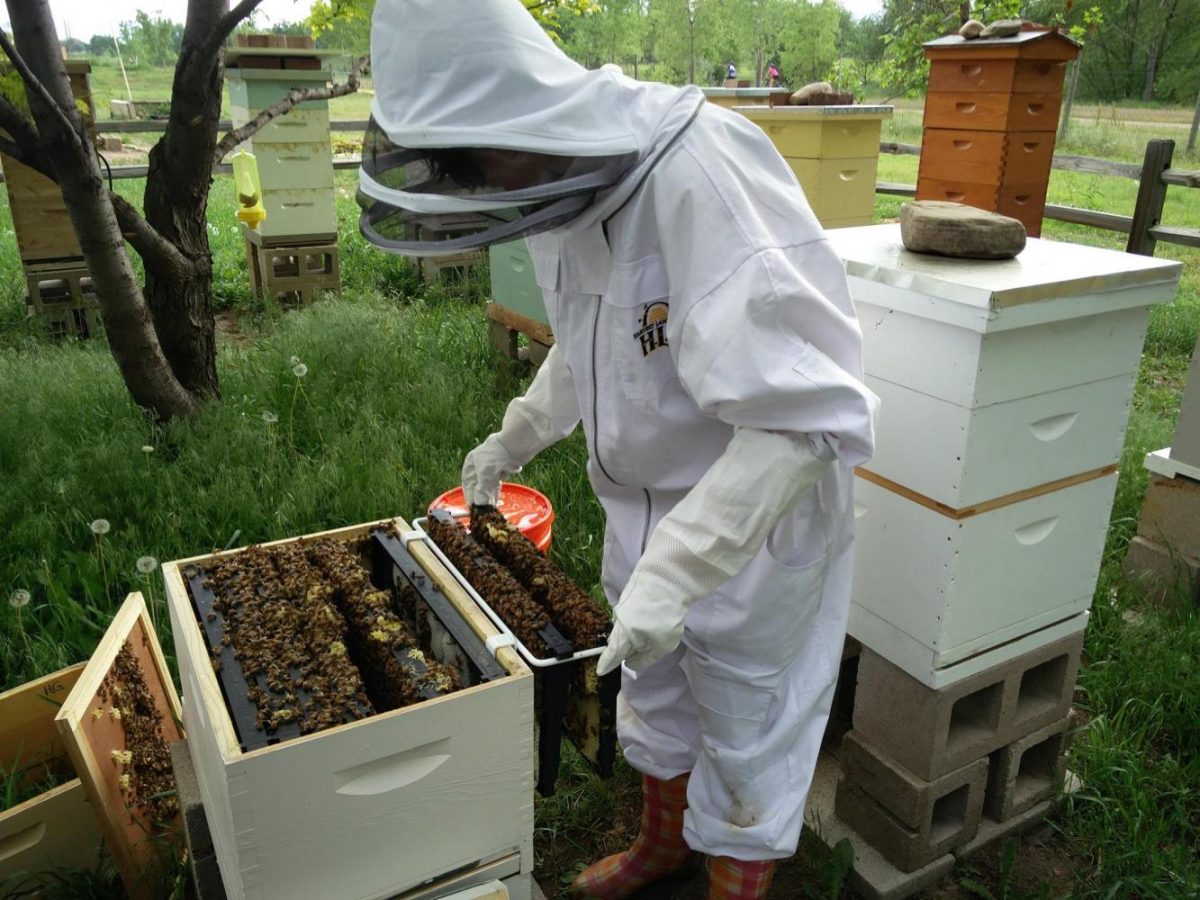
[(482, 79)]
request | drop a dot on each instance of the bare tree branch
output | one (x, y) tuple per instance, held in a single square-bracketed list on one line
[(159, 254), (25, 145), (227, 23), (33, 84), (285, 103)]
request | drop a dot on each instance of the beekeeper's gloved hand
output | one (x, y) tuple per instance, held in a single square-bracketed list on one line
[(546, 414), (707, 539)]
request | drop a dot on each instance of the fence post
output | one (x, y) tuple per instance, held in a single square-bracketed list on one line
[(1152, 193), (1065, 120), (1191, 144)]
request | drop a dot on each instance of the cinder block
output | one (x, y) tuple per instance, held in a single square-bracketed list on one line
[(954, 821), (873, 877), (910, 799), (933, 732), (1161, 572), (1171, 514), (1027, 771), (990, 831)]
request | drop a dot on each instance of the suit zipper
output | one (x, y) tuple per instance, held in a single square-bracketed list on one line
[(646, 525), (595, 398)]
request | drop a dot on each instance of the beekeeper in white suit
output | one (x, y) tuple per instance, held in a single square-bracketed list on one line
[(706, 341)]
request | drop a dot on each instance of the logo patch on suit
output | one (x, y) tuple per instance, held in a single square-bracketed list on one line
[(653, 332)]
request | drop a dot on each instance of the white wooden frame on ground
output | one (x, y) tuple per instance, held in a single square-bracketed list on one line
[(376, 807), (56, 829), (91, 739)]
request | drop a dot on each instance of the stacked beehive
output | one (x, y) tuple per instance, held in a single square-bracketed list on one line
[(991, 113), (1166, 550), (981, 522), (293, 253), (834, 151), (59, 287)]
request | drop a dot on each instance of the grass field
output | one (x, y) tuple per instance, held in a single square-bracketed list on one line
[(401, 383)]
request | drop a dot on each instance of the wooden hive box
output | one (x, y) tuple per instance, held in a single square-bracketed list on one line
[(56, 829), (1006, 388), (991, 112), (40, 220), (377, 807), (293, 151), (514, 284), (834, 151)]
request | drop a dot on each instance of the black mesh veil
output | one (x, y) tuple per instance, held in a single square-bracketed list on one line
[(433, 202)]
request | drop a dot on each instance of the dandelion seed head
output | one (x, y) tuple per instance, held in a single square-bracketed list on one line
[(294, 361), (146, 564), (270, 418), (299, 370), (19, 598), (101, 526), (147, 449)]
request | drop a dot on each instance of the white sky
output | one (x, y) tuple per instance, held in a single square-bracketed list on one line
[(84, 18)]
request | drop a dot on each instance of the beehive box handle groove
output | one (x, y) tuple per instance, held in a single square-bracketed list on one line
[(390, 553), (234, 687)]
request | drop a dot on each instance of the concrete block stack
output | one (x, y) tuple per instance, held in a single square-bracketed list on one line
[(923, 767), (981, 524), (1165, 554)]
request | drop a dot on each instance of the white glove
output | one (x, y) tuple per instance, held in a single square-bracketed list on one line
[(708, 538), (546, 414)]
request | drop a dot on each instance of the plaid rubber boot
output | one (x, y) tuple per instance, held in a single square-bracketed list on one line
[(733, 879), (658, 852)]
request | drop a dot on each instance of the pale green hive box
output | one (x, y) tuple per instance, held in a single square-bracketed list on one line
[(513, 282), (295, 159), (834, 151)]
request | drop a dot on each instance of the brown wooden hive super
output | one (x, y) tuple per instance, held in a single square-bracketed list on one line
[(991, 113)]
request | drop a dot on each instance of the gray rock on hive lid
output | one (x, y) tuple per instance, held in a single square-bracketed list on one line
[(1002, 28), (972, 28), (955, 229)]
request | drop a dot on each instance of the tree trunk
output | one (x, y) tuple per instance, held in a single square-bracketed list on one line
[(1154, 53), (127, 319), (176, 204)]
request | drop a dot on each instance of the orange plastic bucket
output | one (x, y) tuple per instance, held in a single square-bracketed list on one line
[(527, 510)]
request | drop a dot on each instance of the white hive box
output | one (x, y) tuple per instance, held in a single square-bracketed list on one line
[(932, 590), (439, 793), (1006, 388), (1017, 373)]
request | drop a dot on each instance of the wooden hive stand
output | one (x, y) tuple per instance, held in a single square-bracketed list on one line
[(291, 271), (444, 228), (991, 113), (61, 294)]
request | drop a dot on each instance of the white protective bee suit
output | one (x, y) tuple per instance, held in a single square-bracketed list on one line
[(703, 327)]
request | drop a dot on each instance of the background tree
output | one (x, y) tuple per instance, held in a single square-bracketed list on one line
[(150, 40), (162, 332)]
